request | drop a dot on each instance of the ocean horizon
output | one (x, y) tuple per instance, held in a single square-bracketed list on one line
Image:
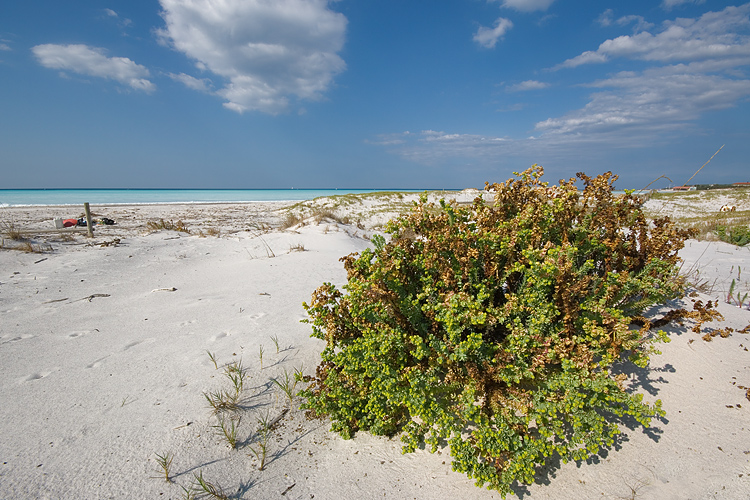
[(123, 196)]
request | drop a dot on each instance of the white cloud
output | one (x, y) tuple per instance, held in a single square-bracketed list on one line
[(488, 37), (606, 18), (639, 22), (527, 85), (124, 22), (668, 4), (527, 5), (588, 57), (5, 47), (698, 66), (656, 100), (268, 51), (92, 61), (201, 85), (714, 35)]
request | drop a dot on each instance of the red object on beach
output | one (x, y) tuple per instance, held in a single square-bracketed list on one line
[(70, 222)]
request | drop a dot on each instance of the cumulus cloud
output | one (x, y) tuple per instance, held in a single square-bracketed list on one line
[(714, 35), (527, 85), (488, 37), (267, 51), (4, 46), (93, 61), (527, 5)]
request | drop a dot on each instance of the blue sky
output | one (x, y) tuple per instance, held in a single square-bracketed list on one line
[(370, 93)]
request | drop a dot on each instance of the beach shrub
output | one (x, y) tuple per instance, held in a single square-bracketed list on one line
[(497, 328), (736, 235)]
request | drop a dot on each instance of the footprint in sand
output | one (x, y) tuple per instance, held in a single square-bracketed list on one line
[(188, 323), (256, 316), (80, 333), (133, 344), (219, 336), (8, 339), (34, 376), (97, 363)]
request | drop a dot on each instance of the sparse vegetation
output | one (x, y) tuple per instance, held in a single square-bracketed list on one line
[(211, 489), (236, 374), (287, 385), (11, 231), (210, 231), (260, 450), (223, 400), (170, 225), (291, 219), (229, 430)]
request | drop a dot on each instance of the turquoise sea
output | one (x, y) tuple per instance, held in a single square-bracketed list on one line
[(30, 197)]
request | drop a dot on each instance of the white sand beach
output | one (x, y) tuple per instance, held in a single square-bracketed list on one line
[(104, 362)]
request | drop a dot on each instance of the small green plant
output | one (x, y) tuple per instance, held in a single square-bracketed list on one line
[(287, 385), (299, 374), (229, 430), (275, 340), (214, 491), (736, 235), (212, 357), (165, 462), (188, 492), (260, 450), (260, 355), (236, 374), (222, 401)]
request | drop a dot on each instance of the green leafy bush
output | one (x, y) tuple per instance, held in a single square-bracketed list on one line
[(494, 328), (737, 235)]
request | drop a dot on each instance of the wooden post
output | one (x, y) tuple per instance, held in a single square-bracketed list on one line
[(88, 220)]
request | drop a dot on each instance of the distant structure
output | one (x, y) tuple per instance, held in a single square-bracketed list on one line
[(741, 184), (684, 188)]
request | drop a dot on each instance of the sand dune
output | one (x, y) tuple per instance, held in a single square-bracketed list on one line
[(104, 364)]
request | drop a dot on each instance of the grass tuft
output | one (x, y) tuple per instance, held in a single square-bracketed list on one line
[(299, 247), (165, 462), (213, 490), (161, 224), (11, 231), (229, 430), (222, 401), (236, 374), (260, 450), (287, 385), (212, 356)]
